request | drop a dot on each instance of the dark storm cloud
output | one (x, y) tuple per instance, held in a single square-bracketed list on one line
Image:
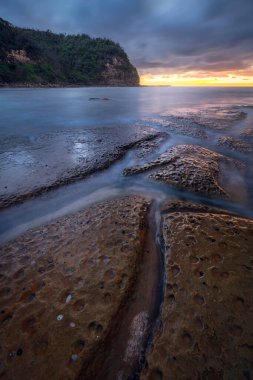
[(172, 35)]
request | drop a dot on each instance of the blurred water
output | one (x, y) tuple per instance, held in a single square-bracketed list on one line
[(34, 111), (28, 117)]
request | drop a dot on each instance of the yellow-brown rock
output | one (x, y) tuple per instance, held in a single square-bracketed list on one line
[(195, 169), (206, 317), (62, 286)]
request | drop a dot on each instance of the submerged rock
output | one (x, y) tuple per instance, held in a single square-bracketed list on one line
[(206, 317), (192, 168), (247, 132), (178, 125), (94, 256), (217, 118), (235, 144)]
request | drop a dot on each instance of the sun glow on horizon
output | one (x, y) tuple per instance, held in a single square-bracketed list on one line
[(197, 79)]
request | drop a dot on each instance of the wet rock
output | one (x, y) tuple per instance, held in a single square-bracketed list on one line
[(207, 313), (147, 147), (138, 332), (217, 118), (179, 126), (185, 127), (78, 244), (234, 144), (192, 168), (247, 132), (182, 206), (34, 167), (99, 98)]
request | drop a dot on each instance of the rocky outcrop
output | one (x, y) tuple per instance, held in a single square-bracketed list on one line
[(206, 316), (117, 73), (62, 287), (232, 143), (216, 118), (82, 153), (192, 168)]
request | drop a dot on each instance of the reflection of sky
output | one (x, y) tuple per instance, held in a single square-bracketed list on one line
[(35, 111), (79, 151)]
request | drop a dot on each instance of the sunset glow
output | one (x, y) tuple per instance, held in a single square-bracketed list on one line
[(197, 79)]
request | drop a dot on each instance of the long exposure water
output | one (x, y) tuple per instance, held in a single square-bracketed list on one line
[(35, 124)]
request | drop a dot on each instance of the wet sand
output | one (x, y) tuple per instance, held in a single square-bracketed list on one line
[(152, 277)]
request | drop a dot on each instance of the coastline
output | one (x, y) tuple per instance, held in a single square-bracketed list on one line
[(60, 85)]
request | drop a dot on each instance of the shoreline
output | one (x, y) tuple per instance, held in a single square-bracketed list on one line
[(61, 85), (169, 220)]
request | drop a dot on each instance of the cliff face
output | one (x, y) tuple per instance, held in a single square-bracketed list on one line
[(116, 73), (32, 57)]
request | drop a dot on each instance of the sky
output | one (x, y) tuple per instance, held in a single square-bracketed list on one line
[(171, 42)]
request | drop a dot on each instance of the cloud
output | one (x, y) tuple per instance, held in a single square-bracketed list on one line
[(165, 35)]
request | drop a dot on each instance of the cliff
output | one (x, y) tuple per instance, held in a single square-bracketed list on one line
[(32, 57)]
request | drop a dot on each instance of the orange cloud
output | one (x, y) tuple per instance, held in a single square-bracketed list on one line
[(195, 78)]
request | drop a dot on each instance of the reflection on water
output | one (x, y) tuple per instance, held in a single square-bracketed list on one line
[(79, 151), (33, 111)]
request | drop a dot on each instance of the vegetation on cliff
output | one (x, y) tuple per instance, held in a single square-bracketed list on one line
[(34, 57)]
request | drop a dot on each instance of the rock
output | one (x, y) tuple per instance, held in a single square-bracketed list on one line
[(217, 118), (116, 73), (185, 127), (138, 333), (247, 133), (74, 357), (186, 206), (234, 144), (206, 317), (79, 154), (147, 147), (192, 168), (175, 124), (93, 252), (69, 298), (99, 99)]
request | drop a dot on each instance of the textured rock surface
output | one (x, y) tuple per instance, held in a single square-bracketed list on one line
[(119, 72), (62, 286), (235, 144), (206, 317), (181, 206), (32, 167), (217, 118), (190, 167), (147, 147), (179, 126), (247, 132)]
